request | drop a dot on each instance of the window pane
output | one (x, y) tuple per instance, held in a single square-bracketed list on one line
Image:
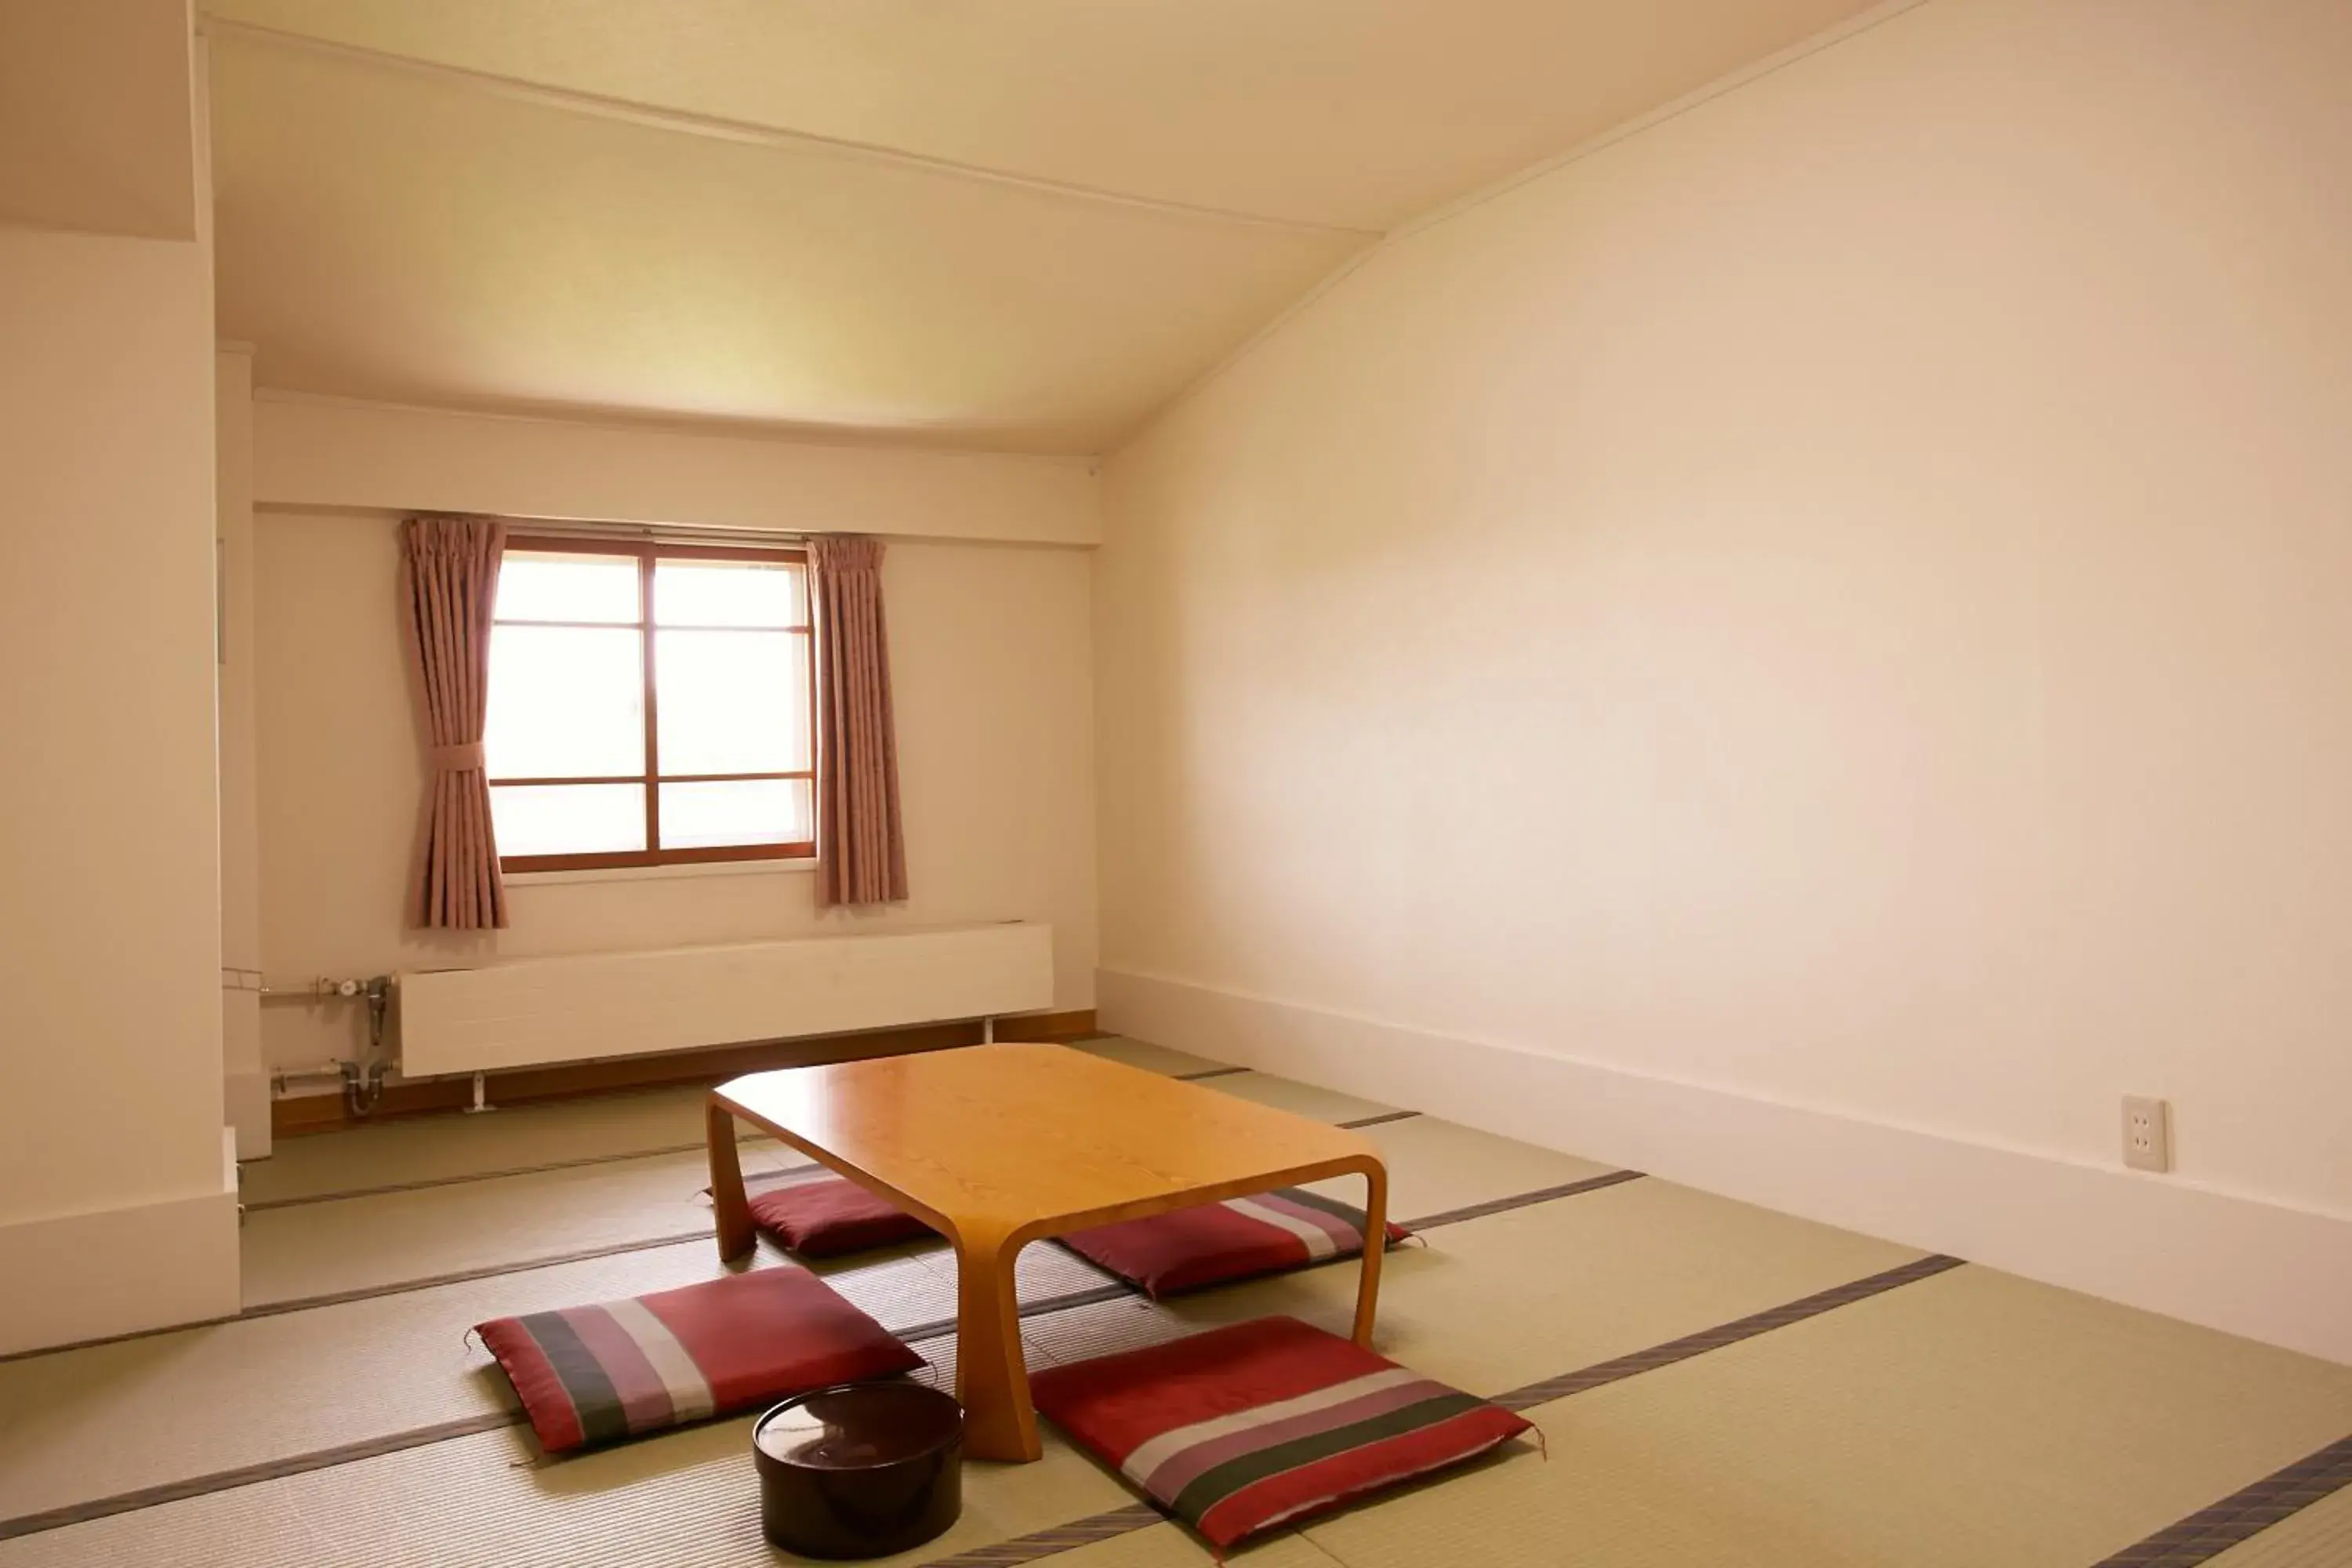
[(755, 811), (568, 819), (732, 702), (728, 594), (536, 587), (565, 702)]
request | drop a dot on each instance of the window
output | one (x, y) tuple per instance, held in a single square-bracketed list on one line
[(650, 704)]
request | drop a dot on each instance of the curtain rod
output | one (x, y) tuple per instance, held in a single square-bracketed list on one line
[(657, 534)]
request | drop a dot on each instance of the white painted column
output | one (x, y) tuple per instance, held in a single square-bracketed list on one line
[(246, 1084)]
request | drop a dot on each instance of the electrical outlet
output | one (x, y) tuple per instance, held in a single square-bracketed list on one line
[(2147, 1133)]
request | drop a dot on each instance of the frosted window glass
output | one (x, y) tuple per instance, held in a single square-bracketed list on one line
[(533, 587), (565, 702), (728, 594), (753, 811), (732, 702), (568, 819)]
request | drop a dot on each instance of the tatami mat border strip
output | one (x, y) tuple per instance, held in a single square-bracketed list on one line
[(415, 1437), (679, 1239), (2246, 1512), (1061, 1538), (940, 1327), (761, 1181), (1136, 1516), (264, 1205), (1529, 1396), (1521, 1200), (746, 1135), (370, 1292), (491, 1270), (251, 1475), (72, 1345), (1117, 1291), (467, 1276)]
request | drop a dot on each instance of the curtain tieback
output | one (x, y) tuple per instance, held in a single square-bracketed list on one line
[(460, 759)]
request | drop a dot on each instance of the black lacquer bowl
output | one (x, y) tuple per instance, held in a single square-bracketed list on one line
[(862, 1470)]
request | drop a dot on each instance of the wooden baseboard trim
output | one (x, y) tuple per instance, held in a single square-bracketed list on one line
[(294, 1115)]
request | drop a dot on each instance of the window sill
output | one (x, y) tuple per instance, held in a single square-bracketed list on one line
[(662, 873)]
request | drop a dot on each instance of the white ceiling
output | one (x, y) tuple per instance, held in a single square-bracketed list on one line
[(795, 211)]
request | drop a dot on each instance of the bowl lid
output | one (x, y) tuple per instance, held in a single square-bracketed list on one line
[(858, 1427)]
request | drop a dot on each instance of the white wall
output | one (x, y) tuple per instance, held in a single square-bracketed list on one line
[(110, 932), (992, 669), (1802, 645), (95, 132)]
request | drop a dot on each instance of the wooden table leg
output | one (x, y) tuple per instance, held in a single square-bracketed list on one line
[(735, 1238), (992, 1374), (1376, 1221)]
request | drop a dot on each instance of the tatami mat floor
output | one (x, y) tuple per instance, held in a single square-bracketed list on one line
[(1738, 1397)]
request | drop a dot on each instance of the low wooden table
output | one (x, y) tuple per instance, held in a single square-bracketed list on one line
[(996, 1146)]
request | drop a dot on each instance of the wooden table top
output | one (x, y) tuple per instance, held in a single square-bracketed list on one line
[(1017, 1142)]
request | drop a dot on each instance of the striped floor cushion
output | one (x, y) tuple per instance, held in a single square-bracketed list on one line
[(1237, 1239), (1242, 1428), (816, 1214), (597, 1374)]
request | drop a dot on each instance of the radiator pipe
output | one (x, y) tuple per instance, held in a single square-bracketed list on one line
[(363, 1082)]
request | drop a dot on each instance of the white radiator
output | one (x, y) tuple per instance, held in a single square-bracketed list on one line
[(538, 1010)]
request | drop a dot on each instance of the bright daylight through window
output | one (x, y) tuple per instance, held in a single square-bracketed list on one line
[(650, 704)]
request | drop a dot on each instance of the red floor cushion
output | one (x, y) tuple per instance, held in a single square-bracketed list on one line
[(1171, 1253), (820, 1214), (1242, 1428), (597, 1374)]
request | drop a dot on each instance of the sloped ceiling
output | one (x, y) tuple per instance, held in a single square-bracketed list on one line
[(1011, 224)]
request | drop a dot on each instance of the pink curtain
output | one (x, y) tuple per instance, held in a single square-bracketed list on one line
[(448, 581), (861, 850)]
